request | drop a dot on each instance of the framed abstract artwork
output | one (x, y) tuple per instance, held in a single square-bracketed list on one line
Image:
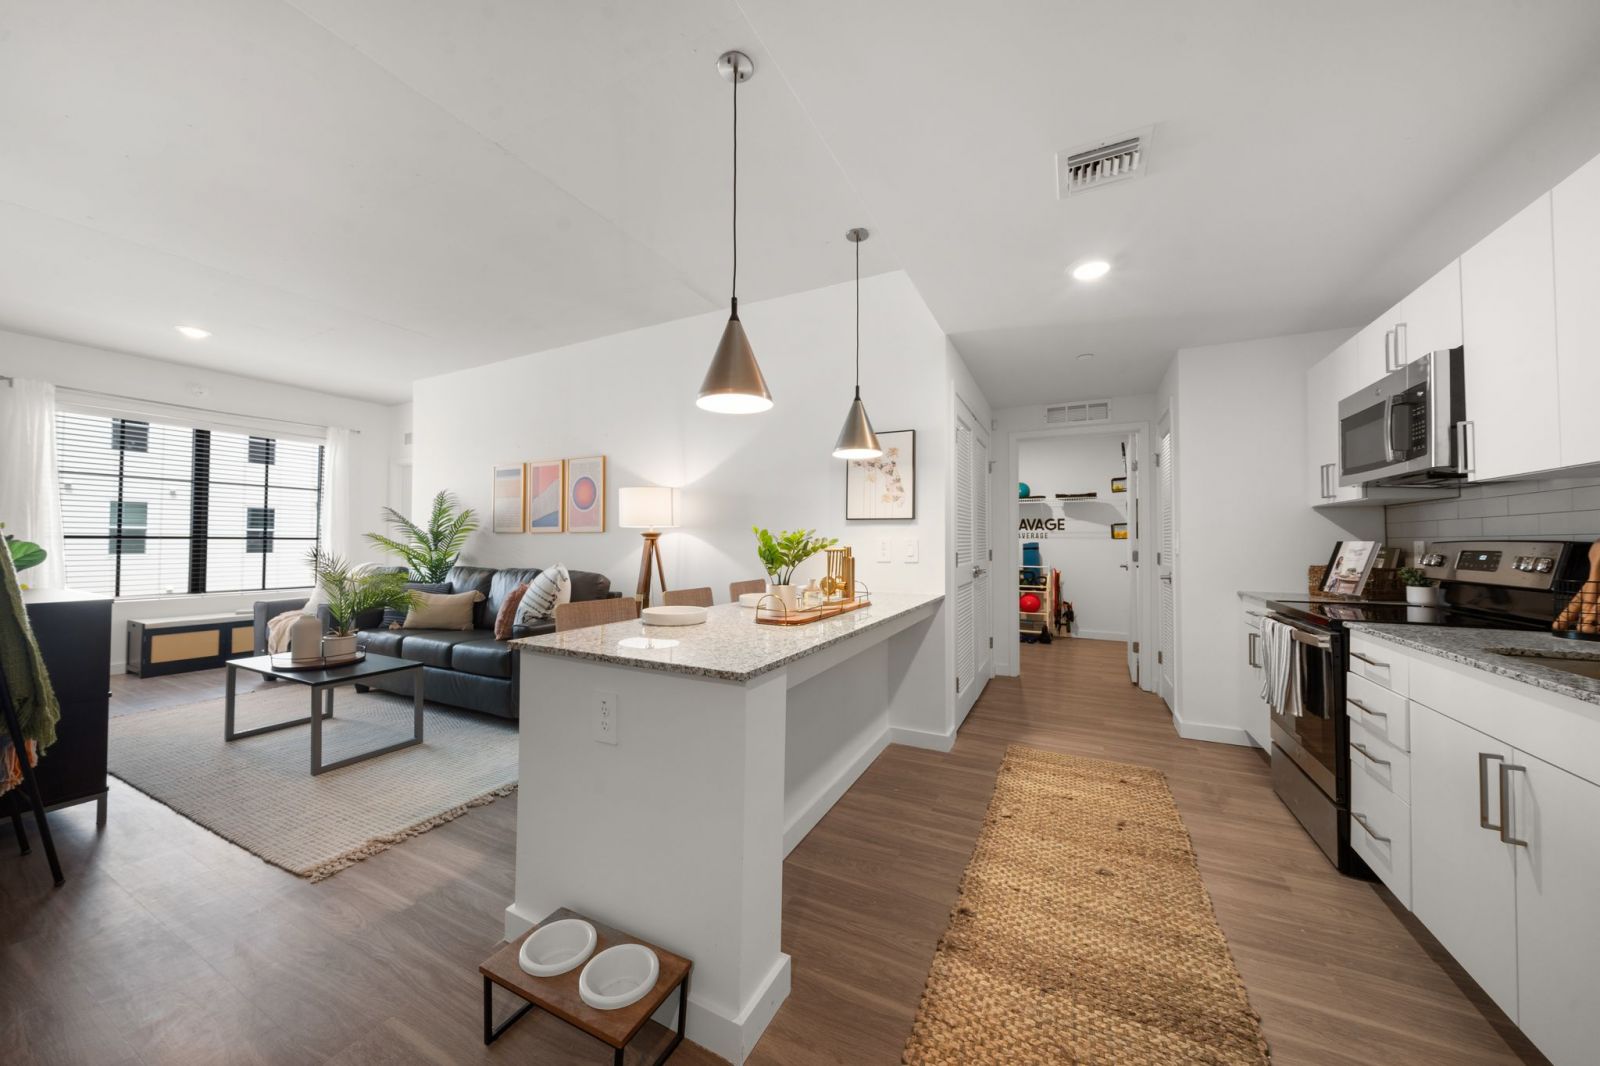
[(585, 498), (885, 487), (546, 501), (510, 506)]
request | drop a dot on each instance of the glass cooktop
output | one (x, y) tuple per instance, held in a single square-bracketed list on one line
[(1325, 614)]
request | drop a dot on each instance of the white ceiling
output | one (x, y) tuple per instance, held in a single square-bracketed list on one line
[(356, 193)]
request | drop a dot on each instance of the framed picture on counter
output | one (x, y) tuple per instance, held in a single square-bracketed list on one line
[(885, 487), (1350, 567)]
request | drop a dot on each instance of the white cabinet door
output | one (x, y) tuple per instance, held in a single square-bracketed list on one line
[(1430, 318), (1576, 222), (1374, 352), (1322, 429), (1257, 717), (1558, 924), (1509, 329), (1463, 878)]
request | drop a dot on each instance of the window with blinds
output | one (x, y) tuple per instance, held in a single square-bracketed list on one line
[(159, 510)]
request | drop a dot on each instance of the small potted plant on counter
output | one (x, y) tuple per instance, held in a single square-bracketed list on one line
[(781, 554), (1420, 588), (351, 594)]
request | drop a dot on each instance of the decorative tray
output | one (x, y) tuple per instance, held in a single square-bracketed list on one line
[(771, 612), (283, 661)]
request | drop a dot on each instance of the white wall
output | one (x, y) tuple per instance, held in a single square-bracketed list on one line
[(1094, 574), (140, 378), (631, 396), (1241, 516)]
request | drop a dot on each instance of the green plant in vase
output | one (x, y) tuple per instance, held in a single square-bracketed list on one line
[(350, 595), (782, 554), (429, 552), (1420, 588)]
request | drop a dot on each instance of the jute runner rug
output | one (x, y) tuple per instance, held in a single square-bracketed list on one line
[(1082, 933), (258, 792)]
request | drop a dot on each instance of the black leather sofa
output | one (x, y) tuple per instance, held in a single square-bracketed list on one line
[(461, 668)]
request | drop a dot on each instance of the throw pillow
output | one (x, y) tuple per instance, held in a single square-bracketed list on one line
[(393, 619), (505, 621), (546, 591), (435, 610)]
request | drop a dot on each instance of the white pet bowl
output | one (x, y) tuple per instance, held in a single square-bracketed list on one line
[(751, 599), (557, 947), (619, 976), (672, 616)]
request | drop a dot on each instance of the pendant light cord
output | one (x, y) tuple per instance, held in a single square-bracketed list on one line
[(735, 285), (858, 320)]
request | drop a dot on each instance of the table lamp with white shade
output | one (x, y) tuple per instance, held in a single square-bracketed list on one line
[(647, 507)]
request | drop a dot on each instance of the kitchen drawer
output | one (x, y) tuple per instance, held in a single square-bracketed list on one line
[(1378, 662), (1371, 755), (1380, 832), (1381, 711)]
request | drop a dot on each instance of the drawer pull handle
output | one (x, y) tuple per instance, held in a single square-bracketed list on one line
[(1369, 662), (1357, 703), (1484, 758), (1369, 756), (1505, 804), (1361, 820)]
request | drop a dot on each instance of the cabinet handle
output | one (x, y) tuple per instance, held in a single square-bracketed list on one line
[(1250, 649), (1369, 756), (1369, 662), (1505, 804), (1399, 345), (1483, 792), (1467, 447), (1361, 820), (1357, 703), (1328, 491), (1388, 349)]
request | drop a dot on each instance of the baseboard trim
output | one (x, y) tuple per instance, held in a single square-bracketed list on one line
[(922, 738), (1100, 634), (806, 819), (1212, 733), (735, 1038)]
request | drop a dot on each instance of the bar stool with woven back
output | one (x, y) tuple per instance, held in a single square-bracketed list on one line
[(700, 597), (586, 613), (739, 588)]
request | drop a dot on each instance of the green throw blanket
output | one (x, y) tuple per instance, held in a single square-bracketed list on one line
[(26, 677)]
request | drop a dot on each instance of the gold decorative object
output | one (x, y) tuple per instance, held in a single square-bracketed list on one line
[(840, 584)]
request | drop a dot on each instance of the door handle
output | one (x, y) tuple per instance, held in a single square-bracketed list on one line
[(1361, 820), (1505, 804), (979, 571), (1369, 756), (1483, 792), (1167, 578)]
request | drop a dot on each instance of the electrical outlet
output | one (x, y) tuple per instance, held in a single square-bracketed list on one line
[(908, 550), (884, 555), (605, 717)]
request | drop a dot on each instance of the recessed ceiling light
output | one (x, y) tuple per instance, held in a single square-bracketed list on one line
[(1085, 355), (1093, 270), (194, 333)]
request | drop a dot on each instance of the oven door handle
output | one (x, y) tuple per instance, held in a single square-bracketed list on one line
[(1309, 637)]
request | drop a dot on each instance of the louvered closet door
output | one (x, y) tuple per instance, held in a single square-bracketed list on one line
[(982, 587), (1167, 603), (965, 547)]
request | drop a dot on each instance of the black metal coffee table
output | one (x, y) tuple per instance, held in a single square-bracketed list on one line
[(322, 683)]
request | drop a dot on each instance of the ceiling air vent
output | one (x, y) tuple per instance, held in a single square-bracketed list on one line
[(1091, 411), (1100, 163)]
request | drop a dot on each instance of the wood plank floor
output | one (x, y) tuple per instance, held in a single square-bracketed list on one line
[(168, 945)]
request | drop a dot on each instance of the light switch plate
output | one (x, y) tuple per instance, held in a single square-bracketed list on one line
[(908, 550), (884, 555), (605, 717)]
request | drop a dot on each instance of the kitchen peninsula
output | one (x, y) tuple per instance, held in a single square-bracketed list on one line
[(665, 772)]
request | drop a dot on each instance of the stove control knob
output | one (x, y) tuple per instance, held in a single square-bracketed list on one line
[(1544, 566)]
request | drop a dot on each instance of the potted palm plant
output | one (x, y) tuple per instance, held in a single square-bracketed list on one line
[(782, 554), (350, 595), (430, 552)]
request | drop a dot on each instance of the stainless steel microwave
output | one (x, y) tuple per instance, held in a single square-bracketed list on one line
[(1409, 428)]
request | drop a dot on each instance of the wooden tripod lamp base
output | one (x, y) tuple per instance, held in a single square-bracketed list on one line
[(651, 557)]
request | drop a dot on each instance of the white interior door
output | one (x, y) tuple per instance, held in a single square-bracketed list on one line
[(1131, 562), (982, 560), (970, 577), (1167, 605)]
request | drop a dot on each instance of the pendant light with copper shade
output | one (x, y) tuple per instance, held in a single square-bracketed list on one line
[(856, 439), (734, 385)]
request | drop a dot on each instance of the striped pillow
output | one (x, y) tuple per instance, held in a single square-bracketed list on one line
[(550, 588)]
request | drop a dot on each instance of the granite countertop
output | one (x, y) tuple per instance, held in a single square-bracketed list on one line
[(1477, 648), (730, 645)]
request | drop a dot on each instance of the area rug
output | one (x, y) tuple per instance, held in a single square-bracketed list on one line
[(258, 792), (1082, 933)]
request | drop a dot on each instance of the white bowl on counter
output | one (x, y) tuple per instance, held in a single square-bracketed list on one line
[(619, 976), (557, 947), (752, 599), (673, 616)]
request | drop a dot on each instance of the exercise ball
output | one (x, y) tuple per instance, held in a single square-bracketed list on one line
[(1030, 602), (1023, 491)]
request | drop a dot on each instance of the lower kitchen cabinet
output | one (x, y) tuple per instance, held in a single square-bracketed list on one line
[(1257, 716), (1463, 877), (1558, 926)]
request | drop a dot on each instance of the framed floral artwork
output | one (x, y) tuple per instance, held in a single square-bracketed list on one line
[(885, 487)]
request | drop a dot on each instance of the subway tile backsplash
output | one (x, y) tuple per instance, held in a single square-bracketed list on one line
[(1564, 508)]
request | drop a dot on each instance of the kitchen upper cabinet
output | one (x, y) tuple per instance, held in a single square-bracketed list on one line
[(1374, 355), (1463, 877), (1508, 310), (1557, 924), (1575, 212), (1322, 425), (1430, 318)]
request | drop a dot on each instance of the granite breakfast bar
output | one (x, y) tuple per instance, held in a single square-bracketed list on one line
[(665, 772)]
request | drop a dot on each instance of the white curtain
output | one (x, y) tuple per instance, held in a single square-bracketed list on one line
[(30, 498), (336, 492)]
